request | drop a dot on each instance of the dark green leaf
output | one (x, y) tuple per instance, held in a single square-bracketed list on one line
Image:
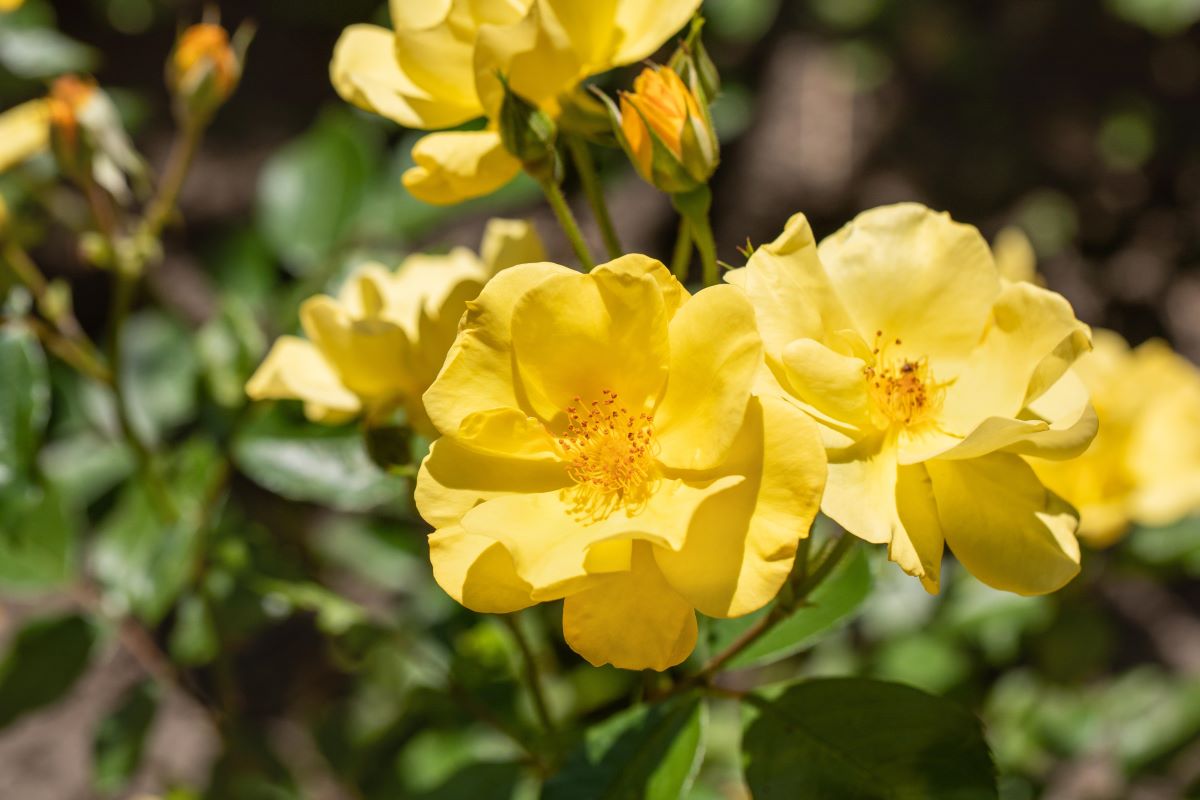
[(303, 461), (121, 736), (143, 561), (43, 662), (857, 739), (37, 538), (24, 401), (159, 372), (494, 781), (335, 614), (831, 604), (645, 753)]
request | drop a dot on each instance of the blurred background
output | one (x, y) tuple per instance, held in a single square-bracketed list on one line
[(1077, 121)]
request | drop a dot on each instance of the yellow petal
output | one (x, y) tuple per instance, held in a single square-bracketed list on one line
[(632, 620), (459, 165), (296, 370), (508, 242), (365, 72), (478, 374), (714, 353), (918, 542), (860, 493), (477, 572), (1028, 325), (416, 16), (372, 356), (440, 60), (645, 27), (455, 478), (916, 275), (536, 56), (1015, 257), (576, 336), (833, 386), (741, 541), (1006, 528), (24, 132), (1072, 421), (791, 294)]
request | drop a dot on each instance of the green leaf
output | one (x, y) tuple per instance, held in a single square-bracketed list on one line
[(310, 190), (645, 753), (24, 401), (85, 465), (143, 562), (37, 538), (194, 636), (43, 662), (121, 737), (831, 605), (492, 780), (315, 463), (159, 371), (866, 740)]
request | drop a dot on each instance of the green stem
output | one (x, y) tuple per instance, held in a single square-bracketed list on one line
[(566, 220), (586, 167), (532, 673), (694, 206), (681, 259), (183, 151), (803, 582)]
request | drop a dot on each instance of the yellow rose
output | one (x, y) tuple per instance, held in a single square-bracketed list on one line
[(10, 5), (931, 378), (1144, 465), (380, 343), (438, 68), (600, 443), (24, 132)]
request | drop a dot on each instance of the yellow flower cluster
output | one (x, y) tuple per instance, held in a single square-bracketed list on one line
[(439, 66)]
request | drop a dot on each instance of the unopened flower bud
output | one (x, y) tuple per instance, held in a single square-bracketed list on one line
[(529, 135), (667, 131), (693, 64), (205, 68), (69, 97)]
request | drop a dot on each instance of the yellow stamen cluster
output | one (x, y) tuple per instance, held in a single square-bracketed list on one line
[(610, 455), (904, 391)]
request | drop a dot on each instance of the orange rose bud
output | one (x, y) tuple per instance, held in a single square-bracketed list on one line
[(69, 95), (667, 131), (205, 68)]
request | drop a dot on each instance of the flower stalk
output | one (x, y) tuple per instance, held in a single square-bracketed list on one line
[(585, 165)]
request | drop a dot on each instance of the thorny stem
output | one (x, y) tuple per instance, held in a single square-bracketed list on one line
[(532, 673), (567, 221), (803, 584), (586, 167), (681, 258)]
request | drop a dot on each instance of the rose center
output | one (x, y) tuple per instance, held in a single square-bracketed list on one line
[(903, 391), (610, 455)]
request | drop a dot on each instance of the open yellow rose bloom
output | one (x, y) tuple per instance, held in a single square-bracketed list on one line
[(601, 443), (438, 69), (1144, 465), (379, 344), (932, 378)]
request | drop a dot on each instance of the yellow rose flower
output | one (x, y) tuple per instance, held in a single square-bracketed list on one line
[(379, 344), (600, 443), (24, 132), (10, 5), (931, 378), (438, 68), (1144, 465)]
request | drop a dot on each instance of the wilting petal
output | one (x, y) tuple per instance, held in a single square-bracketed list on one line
[(741, 541), (478, 374), (632, 620), (614, 338), (914, 275), (715, 352), (477, 572), (364, 71), (296, 370), (459, 165), (1005, 527)]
